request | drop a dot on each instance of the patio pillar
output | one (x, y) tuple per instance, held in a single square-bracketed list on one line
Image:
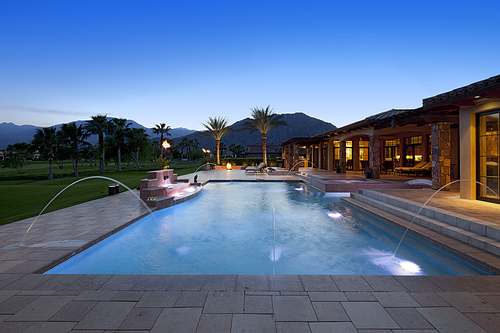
[(375, 156), (308, 157), (320, 155), (355, 155), (342, 156), (287, 157), (441, 155), (330, 155), (295, 157)]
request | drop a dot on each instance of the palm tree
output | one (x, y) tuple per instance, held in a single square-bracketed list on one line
[(262, 121), (74, 137), (185, 143), (44, 139), (217, 128), (119, 129), (99, 125), (161, 129), (137, 137)]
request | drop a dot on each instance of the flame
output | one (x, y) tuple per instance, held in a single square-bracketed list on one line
[(165, 144), (228, 166)]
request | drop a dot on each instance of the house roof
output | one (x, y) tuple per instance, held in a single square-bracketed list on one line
[(465, 95)]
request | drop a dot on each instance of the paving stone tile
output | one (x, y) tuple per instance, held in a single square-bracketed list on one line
[(369, 315), (6, 279), (467, 302), (36, 293), (252, 282), (417, 284), (223, 282), (224, 302), (15, 303), (491, 299), (191, 299), (214, 322), (360, 296), (6, 294), (41, 309), (50, 327), (177, 320), (28, 282), (409, 318), (318, 283), (330, 311), (292, 327), (58, 282), (351, 283), (153, 282), (288, 293), (128, 295), (482, 283), (106, 315), (121, 282), (286, 283), (186, 282), (29, 266), (488, 321), (95, 295), (73, 311), (14, 327), (429, 299), (395, 299), (257, 323), (3, 318), (89, 282), (140, 319), (384, 283), (451, 283), (449, 320), (158, 299), (332, 327), (327, 296), (293, 308), (258, 304)]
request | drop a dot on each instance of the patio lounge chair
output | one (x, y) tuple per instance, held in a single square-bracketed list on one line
[(261, 168), (421, 167)]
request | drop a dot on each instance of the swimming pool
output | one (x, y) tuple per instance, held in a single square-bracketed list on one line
[(228, 230)]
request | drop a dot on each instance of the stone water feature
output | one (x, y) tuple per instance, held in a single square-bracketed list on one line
[(163, 189)]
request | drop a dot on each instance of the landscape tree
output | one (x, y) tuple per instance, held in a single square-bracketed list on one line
[(119, 128), (162, 129), (185, 144), (217, 128), (137, 137), (18, 155), (99, 125), (236, 149), (74, 137), (262, 121), (44, 140)]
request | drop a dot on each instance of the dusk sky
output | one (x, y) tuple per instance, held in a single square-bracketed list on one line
[(180, 62)]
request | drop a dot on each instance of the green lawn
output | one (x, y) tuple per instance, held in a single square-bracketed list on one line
[(21, 199)]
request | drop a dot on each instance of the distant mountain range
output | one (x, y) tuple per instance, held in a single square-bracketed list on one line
[(11, 133), (299, 125)]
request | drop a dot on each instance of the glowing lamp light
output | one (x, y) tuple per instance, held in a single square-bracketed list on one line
[(228, 166), (165, 144), (334, 215)]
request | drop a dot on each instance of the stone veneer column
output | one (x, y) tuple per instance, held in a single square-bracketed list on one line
[(295, 157), (342, 156), (441, 155), (320, 155), (375, 155), (287, 157)]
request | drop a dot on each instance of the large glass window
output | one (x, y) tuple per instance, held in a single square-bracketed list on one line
[(413, 150), (348, 154), (364, 153), (489, 155), (392, 154)]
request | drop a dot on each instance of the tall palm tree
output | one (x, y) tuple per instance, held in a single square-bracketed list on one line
[(262, 121), (217, 128), (74, 137), (44, 139), (119, 129), (185, 143), (137, 137), (162, 129), (99, 125)]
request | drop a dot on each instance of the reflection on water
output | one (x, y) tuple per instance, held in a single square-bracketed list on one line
[(389, 262)]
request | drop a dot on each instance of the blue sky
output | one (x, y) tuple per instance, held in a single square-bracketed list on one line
[(180, 62)]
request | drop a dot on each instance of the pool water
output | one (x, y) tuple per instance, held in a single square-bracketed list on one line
[(228, 229)]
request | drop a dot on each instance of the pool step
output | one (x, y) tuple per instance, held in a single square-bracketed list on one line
[(480, 234)]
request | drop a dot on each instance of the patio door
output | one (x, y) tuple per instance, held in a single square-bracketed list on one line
[(489, 155)]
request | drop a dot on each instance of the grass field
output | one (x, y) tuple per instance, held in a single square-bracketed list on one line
[(23, 198)]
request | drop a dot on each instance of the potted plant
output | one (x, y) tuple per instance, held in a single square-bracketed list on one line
[(368, 173)]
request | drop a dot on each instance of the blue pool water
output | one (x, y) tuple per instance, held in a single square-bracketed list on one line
[(227, 229)]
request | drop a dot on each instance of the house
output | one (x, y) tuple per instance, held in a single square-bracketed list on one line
[(255, 151), (456, 132)]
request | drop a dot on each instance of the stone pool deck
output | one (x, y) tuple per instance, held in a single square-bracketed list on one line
[(32, 302)]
